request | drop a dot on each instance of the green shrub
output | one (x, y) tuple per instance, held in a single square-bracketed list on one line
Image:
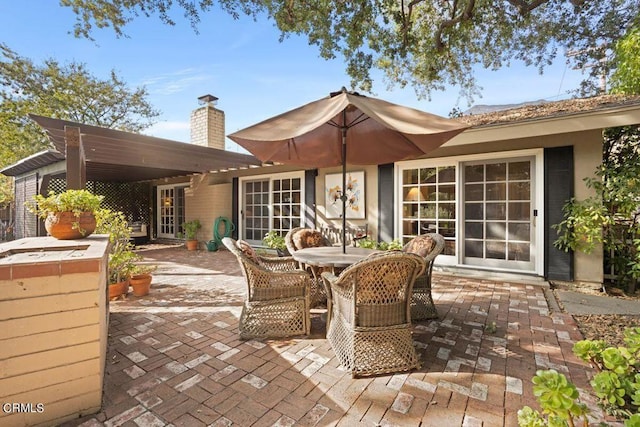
[(617, 386)]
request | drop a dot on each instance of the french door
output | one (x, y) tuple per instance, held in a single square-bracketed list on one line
[(171, 209), (499, 213), (486, 207), (270, 203)]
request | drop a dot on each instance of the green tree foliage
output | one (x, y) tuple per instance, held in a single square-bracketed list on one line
[(64, 91), (423, 43), (611, 216), (626, 78)]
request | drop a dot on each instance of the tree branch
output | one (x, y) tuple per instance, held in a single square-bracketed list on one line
[(465, 15), (525, 7)]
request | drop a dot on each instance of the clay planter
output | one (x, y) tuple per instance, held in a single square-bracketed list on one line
[(117, 289), (191, 245), (60, 225), (140, 283)]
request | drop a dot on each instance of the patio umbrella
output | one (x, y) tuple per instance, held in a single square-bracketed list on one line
[(346, 127)]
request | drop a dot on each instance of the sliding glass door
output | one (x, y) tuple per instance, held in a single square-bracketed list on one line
[(498, 213)]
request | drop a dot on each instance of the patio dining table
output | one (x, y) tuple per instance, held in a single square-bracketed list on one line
[(331, 256)]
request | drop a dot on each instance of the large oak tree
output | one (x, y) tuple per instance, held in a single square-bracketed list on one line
[(63, 91), (426, 44)]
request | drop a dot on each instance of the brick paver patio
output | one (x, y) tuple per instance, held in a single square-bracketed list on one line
[(174, 358)]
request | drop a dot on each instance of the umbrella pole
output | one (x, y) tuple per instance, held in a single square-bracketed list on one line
[(344, 184)]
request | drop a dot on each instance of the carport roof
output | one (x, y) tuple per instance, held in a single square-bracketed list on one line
[(118, 156)]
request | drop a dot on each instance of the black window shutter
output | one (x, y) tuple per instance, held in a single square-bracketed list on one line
[(558, 189), (309, 217), (234, 207), (385, 202)]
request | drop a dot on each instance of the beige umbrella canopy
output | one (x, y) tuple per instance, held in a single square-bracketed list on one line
[(346, 127)]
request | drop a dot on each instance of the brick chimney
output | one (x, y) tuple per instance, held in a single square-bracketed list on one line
[(207, 124)]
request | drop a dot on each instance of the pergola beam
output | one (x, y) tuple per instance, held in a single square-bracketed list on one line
[(76, 163)]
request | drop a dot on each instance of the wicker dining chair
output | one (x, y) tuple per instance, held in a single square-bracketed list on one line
[(428, 246), (277, 302), (369, 319), (300, 238)]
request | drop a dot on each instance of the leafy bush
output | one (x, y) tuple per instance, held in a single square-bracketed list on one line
[(369, 243), (617, 385), (273, 239), (122, 259)]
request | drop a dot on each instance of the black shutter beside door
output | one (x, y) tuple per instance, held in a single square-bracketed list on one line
[(558, 189)]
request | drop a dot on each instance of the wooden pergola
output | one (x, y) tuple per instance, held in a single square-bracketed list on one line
[(102, 154)]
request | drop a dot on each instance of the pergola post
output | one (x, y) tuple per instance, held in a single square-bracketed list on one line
[(76, 165)]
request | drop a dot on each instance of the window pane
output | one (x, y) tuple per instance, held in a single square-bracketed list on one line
[(447, 229), (430, 192), (295, 184), (447, 211), (519, 231), (519, 251), (473, 248), (496, 230), (410, 210), (276, 185), (428, 175), (428, 227), (496, 250), (519, 190), (474, 173), (497, 172), (410, 228), (474, 192), (496, 191), (496, 211), (410, 176), (474, 230), (519, 170), (447, 174), (428, 210), (449, 247), (518, 211), (473, 211), (447, 192)]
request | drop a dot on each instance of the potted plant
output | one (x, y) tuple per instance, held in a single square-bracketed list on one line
[(275, 240), (67, 215), (122, 258), (140, 280), (190, 232)]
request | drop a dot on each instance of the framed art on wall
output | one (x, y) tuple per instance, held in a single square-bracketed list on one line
[(355, 193)]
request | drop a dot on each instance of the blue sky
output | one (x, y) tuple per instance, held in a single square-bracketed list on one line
[(239, 61)]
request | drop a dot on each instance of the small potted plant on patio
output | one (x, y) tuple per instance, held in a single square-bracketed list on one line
[(141, 278), (190, 232), (275, 240), (68, 215)]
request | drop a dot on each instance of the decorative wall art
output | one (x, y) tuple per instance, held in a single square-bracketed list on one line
[(355, 195)]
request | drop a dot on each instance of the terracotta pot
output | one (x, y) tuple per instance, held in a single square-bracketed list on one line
[(140, 283), (191, 245), (60, 225), (117, 289)]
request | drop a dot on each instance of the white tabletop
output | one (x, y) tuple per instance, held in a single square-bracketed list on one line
[(332, 256)]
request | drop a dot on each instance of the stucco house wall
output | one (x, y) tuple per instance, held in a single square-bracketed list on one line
[(206, 203)]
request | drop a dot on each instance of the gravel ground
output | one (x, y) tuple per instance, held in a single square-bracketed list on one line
[(607, 327)]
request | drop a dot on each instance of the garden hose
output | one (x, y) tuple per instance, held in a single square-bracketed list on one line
[(212, 245)]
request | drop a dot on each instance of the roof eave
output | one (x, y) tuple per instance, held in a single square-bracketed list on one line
[(577, 122)]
